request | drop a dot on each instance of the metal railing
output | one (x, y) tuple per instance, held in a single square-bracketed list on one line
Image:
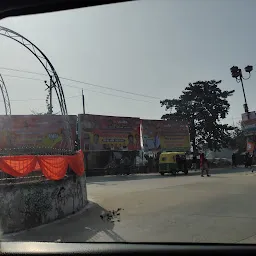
[(34, 177), (34, 151), (30, 178)]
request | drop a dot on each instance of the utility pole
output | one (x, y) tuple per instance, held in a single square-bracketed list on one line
[(49, 87), (83, 101), (50, 93)]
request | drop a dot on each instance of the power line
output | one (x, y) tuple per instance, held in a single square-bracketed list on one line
[(109, 94), (76, 96), (24, 71), (109, 88), (86, 83), (23, 77), (78, 87)]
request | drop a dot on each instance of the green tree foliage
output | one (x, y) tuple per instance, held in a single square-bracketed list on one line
[(203, 105), (238, 139)]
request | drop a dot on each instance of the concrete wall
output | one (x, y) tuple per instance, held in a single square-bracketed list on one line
[(23, 206)]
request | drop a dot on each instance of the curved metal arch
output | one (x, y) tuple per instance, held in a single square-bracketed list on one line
[(6, 99), (55, 81), (43, 60)]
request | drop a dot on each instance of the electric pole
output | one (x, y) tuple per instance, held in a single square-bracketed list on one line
[(49, 87), (50, 93), (83, 101)]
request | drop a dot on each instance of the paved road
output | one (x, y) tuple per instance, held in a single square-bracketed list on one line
[(157, 208)]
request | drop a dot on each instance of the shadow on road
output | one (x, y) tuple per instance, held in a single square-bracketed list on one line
[(82, 227), (217, 171), (221, 171), (100, 180), (113, 178)]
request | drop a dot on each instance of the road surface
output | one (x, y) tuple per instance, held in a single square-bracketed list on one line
[(220, 208)]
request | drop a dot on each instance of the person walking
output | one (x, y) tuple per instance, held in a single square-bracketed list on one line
[(246, 160), (234, 165), (127, 165), (250, 158), (204, 165), (194, 162)]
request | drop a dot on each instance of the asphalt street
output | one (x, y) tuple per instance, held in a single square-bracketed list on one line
[(156, 208)]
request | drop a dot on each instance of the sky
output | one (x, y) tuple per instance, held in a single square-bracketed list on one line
[(153, 48)]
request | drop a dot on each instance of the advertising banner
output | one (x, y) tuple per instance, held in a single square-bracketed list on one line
[(99, 133), (165, 135), (250, 146), (44, 131), (249, 126), (251, 143)]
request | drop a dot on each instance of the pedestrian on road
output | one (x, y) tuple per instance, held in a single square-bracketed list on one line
[(250, 158), (179, 162), (204, 165), (234, 165), (127, 165), (246, 160), (194, 162)]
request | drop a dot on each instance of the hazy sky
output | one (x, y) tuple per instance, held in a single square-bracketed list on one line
[(152, 47)]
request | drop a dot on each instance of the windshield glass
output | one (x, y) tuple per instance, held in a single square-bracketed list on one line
[(129, 122)]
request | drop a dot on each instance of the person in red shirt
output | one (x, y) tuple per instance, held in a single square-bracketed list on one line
[(204, 165)]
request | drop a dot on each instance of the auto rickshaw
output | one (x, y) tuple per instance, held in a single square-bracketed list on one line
[(173, 162)]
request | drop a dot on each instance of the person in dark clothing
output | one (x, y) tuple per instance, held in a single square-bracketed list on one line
[(127, 165), (194, 162), (184, 164), (157, 160), (150, 164), (234, 160), (250, 161), (179, 162), (246, 160)]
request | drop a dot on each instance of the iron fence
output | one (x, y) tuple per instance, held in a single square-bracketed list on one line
[(35, 151), (34, 177)]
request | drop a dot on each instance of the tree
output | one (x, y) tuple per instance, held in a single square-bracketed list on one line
[(203, 105), (238, 139)]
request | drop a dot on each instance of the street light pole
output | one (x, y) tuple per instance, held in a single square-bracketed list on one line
[(246, 109), (237, 74)]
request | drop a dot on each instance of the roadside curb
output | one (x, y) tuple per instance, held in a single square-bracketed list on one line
[(88, 206)]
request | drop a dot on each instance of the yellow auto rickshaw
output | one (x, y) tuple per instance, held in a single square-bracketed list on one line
[(173, 162)]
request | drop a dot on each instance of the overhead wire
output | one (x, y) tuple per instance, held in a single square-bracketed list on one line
[(78, 87), (82, 82), (14, 100)]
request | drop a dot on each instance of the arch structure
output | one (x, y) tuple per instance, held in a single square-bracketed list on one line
[(7, 104), (54, 78)]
